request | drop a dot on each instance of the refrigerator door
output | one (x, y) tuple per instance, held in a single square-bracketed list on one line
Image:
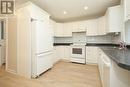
[(43, 36)]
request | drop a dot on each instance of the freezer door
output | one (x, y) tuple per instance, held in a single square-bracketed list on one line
[(41, 63), (42, 36)]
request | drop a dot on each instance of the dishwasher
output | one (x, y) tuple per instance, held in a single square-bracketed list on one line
[(105, 71)]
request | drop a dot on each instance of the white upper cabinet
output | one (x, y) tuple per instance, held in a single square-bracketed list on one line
[(82, 26), (126, 4), (52, 26), (111, 22), (75, 27), (63, 30), (67, 30), (102, 25), (79, 26), (58, 31), (114, 19), (92, 27)]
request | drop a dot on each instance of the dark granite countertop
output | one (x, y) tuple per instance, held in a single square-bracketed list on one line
[(101, 44), (60, 44), (121, 57)]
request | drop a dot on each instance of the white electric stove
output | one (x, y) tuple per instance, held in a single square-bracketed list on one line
[(78, 53)]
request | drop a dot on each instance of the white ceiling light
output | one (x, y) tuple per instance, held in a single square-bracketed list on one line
[(64, 12), (85, 7)]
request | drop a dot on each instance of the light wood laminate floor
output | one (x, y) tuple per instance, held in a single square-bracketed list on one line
[(63, 74)]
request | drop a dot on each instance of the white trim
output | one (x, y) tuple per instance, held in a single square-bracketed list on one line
[(6, 42), (6, 39)]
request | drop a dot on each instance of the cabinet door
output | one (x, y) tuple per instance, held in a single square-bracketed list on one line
[(52, 26), (91, 55), (54, 58), (127, 32), (67, 52), (114, 19), (59, 30), (60, 52), (79, 26), (102, 25), (67, 30), (75, 26), (82, 26), (105, 71), (127, 9), (92, 28)]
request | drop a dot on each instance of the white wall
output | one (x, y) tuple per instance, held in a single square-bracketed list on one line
[(12, 45)]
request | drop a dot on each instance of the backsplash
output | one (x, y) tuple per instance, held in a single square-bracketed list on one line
[(81, 37), (63, 40), (116, 39), (99, 39)]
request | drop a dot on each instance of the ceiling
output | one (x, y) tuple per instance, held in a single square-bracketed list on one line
[(74, 8)]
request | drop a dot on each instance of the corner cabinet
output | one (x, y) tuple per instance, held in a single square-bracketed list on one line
[(114, 19)]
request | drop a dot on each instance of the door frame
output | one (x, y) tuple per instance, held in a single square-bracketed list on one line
[(5, 19)]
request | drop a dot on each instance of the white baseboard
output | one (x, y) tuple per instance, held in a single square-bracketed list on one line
[(11, 71), (91, 63)]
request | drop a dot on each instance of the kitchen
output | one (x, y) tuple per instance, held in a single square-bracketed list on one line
[(84, 45)]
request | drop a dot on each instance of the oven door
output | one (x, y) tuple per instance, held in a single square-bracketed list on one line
[(78, 52)]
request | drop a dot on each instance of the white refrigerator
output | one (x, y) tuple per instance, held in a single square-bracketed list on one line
[(41, 47)]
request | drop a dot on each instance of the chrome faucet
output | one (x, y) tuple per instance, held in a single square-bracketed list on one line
[(122, 45)]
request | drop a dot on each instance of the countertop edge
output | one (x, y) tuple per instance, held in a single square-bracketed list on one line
[(60, 44)]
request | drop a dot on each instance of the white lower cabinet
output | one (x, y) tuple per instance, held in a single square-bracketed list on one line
[(105, 70), (57, 54), (61, 52), (67, 52), (91, 55)]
